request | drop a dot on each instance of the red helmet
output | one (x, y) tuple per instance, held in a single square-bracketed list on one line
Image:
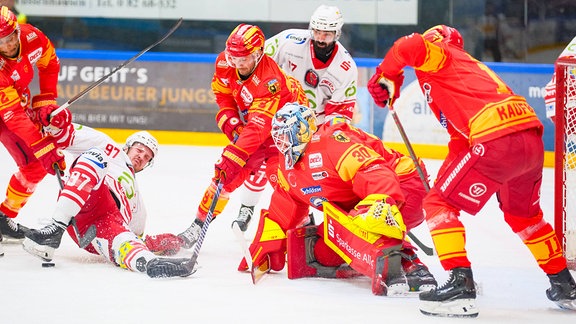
[(8, 22), (444, 34), (244, 40)]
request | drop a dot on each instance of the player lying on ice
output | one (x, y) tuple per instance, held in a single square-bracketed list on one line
[(363, 188), (102, 190)]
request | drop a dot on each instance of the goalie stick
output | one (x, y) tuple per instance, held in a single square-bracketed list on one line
[(255, 272), (102, 79), (90, 235)]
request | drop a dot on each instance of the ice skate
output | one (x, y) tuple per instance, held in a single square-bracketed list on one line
[(389, 278), (456, 298), (169, 267), (43, 242), (244, 216), (10, 229), (419, 277), (191, 234), (562, 290)]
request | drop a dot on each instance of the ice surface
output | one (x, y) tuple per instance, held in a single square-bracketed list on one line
[(83, 288)]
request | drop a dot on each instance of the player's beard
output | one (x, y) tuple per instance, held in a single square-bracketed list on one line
[(322, 50)]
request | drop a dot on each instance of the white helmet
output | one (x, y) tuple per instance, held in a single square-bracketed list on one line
[(327, 18), (292, 129), (146, 139)]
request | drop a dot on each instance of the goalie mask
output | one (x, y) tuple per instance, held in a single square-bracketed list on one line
[(444, 34), (146, 139), (292, 129)]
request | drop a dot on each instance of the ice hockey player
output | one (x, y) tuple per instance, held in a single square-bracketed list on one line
[(490, 128), (325, 70), (102, 190), (364, 190), (25, 50), (249, 87)]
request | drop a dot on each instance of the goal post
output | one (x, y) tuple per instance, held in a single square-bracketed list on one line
[(565, 157)]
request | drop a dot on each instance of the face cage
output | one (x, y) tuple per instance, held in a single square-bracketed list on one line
[(289, 142)]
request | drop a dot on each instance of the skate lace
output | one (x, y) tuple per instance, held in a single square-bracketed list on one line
[(244, 214), (13, 226), (48, 230)]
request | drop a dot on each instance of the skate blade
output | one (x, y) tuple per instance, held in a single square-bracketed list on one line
[(423, 288), (41, 251), (400, 291), (566, 304), (453, 308)]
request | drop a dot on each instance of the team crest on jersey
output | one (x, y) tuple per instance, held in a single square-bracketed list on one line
[(315, 160), (311, 78), (35, 55), (273, 86), (319, 175), (339, 136)]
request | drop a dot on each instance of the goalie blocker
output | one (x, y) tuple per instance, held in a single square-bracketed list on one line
[(365, 253)]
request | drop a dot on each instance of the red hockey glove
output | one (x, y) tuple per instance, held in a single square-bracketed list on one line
[(43, 105), (63, 136), (269, 242), (229, 122), (164, 244), (47, 152), (230, 163), (385, 89)]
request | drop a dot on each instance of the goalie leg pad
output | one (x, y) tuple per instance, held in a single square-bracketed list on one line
[(302, 256), (269, 244)]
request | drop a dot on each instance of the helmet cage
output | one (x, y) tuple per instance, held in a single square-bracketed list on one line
[(292, 129)]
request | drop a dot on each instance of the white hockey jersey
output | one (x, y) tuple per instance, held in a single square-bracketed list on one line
[(331, 87), (120, 178)]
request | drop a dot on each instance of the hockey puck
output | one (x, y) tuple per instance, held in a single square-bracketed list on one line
[(48, 264)]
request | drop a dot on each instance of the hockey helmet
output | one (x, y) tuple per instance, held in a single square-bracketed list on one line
[(292, 129), (8, 22), (327, 18), (244, 40), (145, 139), (444, 34)]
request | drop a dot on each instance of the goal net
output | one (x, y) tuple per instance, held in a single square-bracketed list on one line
[(565, 157)]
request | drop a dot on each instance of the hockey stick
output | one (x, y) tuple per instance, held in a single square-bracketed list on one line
[(190, 265), (102, 79), (83, 240), (255, 272), (426, 249)]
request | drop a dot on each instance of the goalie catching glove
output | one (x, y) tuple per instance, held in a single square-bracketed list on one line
[(164, 244), (379, 214), (43, 105), (385, 89), (230, 164)]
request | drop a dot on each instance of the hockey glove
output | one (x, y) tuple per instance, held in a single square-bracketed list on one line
[(47, 152), (385, 89), (229, 122), (269, 242), (164, 244), (43, 105), (230, 164), (379, 214)]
